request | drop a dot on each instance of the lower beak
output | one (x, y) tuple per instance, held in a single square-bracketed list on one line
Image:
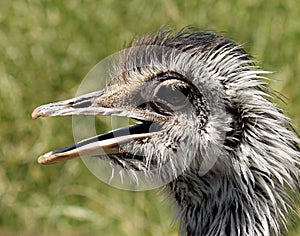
[(90, 147)]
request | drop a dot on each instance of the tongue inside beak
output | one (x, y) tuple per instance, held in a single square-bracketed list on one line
[(109, 143)]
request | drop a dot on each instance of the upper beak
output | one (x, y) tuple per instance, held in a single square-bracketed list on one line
[(90, 104), (82, 105)]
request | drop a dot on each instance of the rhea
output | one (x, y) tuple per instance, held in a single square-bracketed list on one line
[(207, 128)]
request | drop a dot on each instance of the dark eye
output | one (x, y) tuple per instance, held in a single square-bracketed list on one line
[(171, 96)]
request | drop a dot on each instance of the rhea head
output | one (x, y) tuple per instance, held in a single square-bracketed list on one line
[(205, 126), (174, 90)]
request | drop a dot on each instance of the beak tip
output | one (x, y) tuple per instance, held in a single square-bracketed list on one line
[(41, 160), (44, 159), (36, 113)]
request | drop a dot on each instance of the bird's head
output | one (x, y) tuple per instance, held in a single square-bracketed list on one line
[(194, 95)]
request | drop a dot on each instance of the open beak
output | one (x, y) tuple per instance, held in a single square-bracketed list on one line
[(109, 143)]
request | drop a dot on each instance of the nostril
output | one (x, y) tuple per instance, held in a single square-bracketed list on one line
[(82, 104)]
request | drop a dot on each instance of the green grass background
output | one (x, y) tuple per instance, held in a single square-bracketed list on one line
[(47, 47)]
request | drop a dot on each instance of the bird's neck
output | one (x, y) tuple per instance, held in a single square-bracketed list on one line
[(212, 205)]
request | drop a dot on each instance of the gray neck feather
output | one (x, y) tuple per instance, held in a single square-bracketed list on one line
[(247, 201), (226, 209)]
